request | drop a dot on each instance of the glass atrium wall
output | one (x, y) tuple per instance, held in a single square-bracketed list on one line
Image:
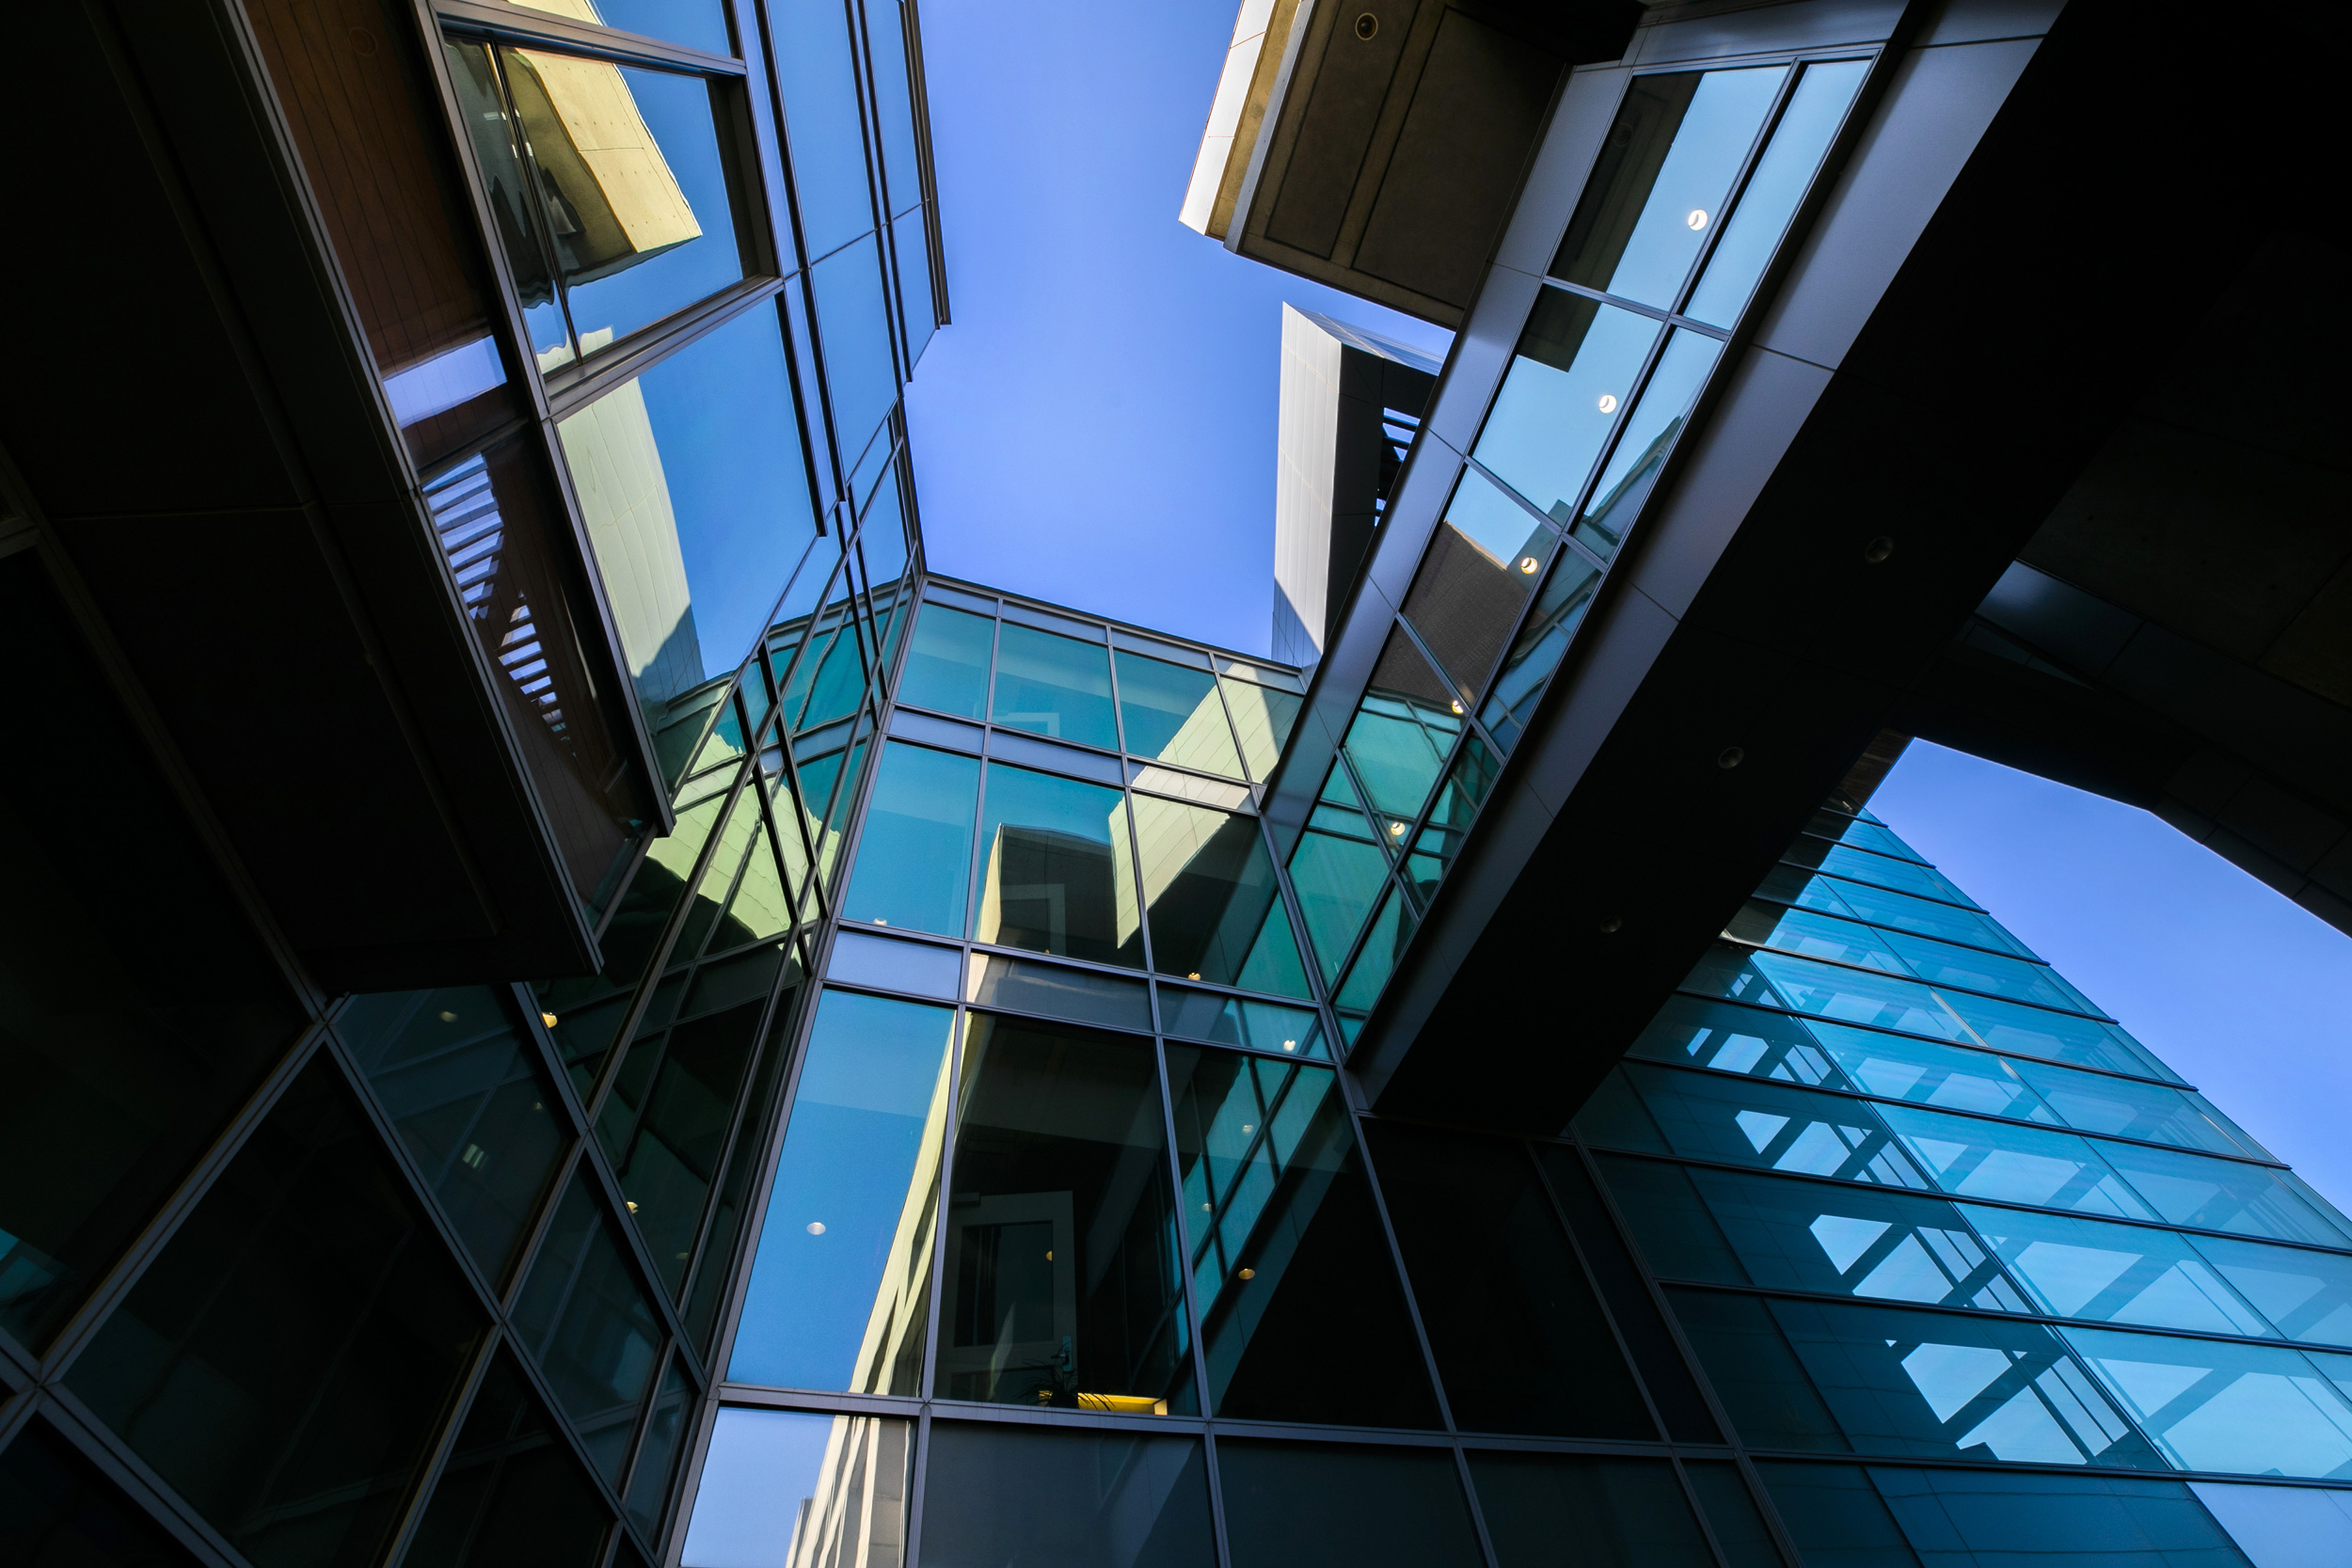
[(433, 1277)]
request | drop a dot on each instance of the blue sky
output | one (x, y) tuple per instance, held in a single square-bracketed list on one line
[(1097, 428)]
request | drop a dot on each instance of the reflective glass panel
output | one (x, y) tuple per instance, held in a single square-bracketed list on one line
[(1337, 871), (1650, 435), (2095, 1103), (1216, 909), (914, 856), (2215, 1406), (1441, 837), (1221, 1020), (2222, 1194), (1575, 366), (1519, 1339), (1287, 1504), (1057, 867), (2014, 978), (1883, 907), (1403, 731), (60, 1509), (1745, 1122), (1925, 1073), (1663, 180), (1537, 650), (1007, 1496), (1804, 1374), (1054, 686), (690, 484), (512, 1492), (1172, 714), (498, 137), (780, 1489), (1970, 1158), (1730, 1508), (585, 1316), (1480, 564), (1579, 1511), (696, 23), (1064, 1283), (1058, 990), (1384, 940), (1881, 871), (1263, 719), (1814, 935), (1690, 1033), (853, 322), (1773, 190), (840, 1283), (1728, 1228), (815, 64), (948, 665), (2117, 1274), (918, 315), (634, 189), (1302, 1317), (2307, 1295)]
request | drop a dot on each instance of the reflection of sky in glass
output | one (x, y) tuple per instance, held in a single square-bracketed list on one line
[(762, 1464), (1548, 424), (2214, 1406), (1773, 190), (813, 64), (696, 23), (853, 318), (1687, 196)]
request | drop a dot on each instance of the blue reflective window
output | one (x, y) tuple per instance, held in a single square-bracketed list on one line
[(914, 856), (1172, 714), (1898, 912), (894, 105), (2117, 1273), (1542, 642), (778, 1488), (818, 69), (1773, 190), (854, 321), (2211, 1405), (840, 1284), (2016, 1164), (1744, 1122), (947, 666), (1214, 907), (2307, 1295), (1575, 366), (1057, 867), (918, 314), (2224, 1194), (1650, 435), (1054, 686), (696, 23)]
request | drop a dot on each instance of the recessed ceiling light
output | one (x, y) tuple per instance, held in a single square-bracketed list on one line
[(548, 1019), (816, 1227), (1527, 565), (1697, 219), (1249, 1273), (1396, 830), (1607, 403)]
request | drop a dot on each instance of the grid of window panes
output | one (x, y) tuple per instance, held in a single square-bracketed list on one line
[(1690, 197), (1862, 1276), (433, 1277)]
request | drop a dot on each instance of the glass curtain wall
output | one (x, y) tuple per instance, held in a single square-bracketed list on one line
[(433, 1278)]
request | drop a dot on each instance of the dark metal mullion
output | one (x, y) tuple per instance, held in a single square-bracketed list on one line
[(436, 1457), (649, 1279), (572, 385), (539, 188), (1753, 946), (1779, 900), (71, 1422), (1185, 1260), (1592, 1284), (1698, 1510), (534, 29)]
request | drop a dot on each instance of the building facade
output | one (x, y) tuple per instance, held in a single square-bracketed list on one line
[(659, 1032)]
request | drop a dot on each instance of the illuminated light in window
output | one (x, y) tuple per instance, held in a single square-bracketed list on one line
[(548, 1019), (816, 1227), (1249, 1274), (1457, 708), (1194, 975), (1396, 830), (1697, 219), (1527, 565), (880, 921), (1290, 1045), (1607, 403), (632, 1208), (449, 1018)]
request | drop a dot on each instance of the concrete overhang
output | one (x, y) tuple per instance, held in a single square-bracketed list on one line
[(190, 413), (1374, 146)]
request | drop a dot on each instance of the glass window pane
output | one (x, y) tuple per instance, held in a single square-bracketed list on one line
[(1575, 365), (59, 1508), (815, 64), (914, 856), (1007, 1497), (1802, 1374), (1057, 867), (779, 1488), (1173, 715), (859, 959), (1720, 1227), (635, 188), (2215, 1406), (1814, 935), (1264, 719), (1062, 1288), (1578, 1510), (691, 483), (2015, 979), (1899, 912), (1748, 1041), (2222, 1194), (853, 324), (285, 1361), (1663, 178), (1301, 1313), (841, 1281), (1649, 434), (1053, 685), (918, 317), (1925, 1073), (696, 23), (1214, 907), (1836, 1516), (1747, 1123), (584, 1315), (2307, 1295), (1201, 1015), (512, 1490), (1337, 876), (1978, 1516), (1519, 1339), (1480, 567), (1536, 652), (1880, 871), (498, 138), (461, 1081), (2119, 1274), (1402, 733), (657, 1452), (1058, 990), (893, 107), (1730, 1508), (670, 1158), (2095, 1103), (1384, 940), (2016, 1164), (1782, 174), (1288, 1504)]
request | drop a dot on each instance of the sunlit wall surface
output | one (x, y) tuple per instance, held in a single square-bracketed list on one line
[(1882, 1248), (433, 1278)]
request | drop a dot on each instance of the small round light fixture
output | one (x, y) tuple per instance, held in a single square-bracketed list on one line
[(1290, 1045), (1367, 25), (1396, 830), (548, 1019), (1194, 975), (1878, 550), (1249, 1274), (1458, 710), (816, 1227), (632, 1208), (452, 1017), (1611, 926), (1608, 404), (1697, 220), (1528, 565), (1730, 757)]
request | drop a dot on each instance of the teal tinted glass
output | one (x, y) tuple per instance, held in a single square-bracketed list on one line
[(1650, 435), (1575, 366), (1384, 940), (1402, 733), (1057, 867), (947, 666), (1746, 1122), (2094, 1102), (1881, 871), (2223, 1195), (1210, 891), (1054, 686), (1220, 1020), (1263, 719), (2306, 1295), (1665, 179), (1892, 910), (1690, 1033), (2117, 1273), (2209, 1406), (1336, 874), (1480, 564), (1542, 642), (1779, 183), (1171, 713), (913, 859), (1814, 935), (1441, 837), (1924, 1073), (840, 1284), (1971, 1158)]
